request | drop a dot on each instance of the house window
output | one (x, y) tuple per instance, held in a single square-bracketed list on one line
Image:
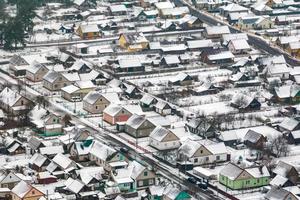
[(54, 120), (145, 173), (218, 158), (257, 180), (248, 182), (207, 158), (60, 78), (151, 181), (140, 183), (22, 102), (96, 107), (195, 160), (122, 111), (100, 99), (33, 192), (201, 151)]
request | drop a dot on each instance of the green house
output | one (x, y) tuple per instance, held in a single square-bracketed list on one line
[(236, 177), (173, 193)]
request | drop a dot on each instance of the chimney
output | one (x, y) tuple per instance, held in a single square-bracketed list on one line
[(260, 169)]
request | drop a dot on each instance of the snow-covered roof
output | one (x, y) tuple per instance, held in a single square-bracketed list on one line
[(147, 99), (159, 133), (175, 11), (89, 28), (278, 180), (21, 189), (118, 8), (233, 7), (240, 44), (194, 44), (171, 59), (38, 159), (135, 121), (164, 5), (217, 30), (63, 161), (9, 96), (228, 136), (129, 63), (70, 89), (89, 173), (102, 151), (73, 185), (289, 124), (50, 150), (222, 55)]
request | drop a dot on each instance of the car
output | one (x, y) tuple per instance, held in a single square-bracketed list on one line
[(192, 180), (124, 150), (202, 185)]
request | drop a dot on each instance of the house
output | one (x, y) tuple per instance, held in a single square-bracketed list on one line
[(207, 88), (133, 42), (286, 170), (14, 103), (52, 151), (288, 125), (45, 123), (232, 8), (170, 61), (182, 79), (81, 67), (24, 191), (11, 179), (164, 5), (102, 155), (294, 137), (284, 41), (35, 144), (244, 102), (215, 32), (287, 94), (261, 9), (142, 176), (91, 177), (46, 178), (88, 31), (147, 14), (174, 13), (117, 113), (139, 126), (13, 146), (59, 164), (36, 71), (80, 150), (229, 138), (199, 153), (254, 22), (147, 102), (163, 139), (129, 65), (216, 56), (156, 192), (73, 186), (81, 48), (119, 9), (254, 140), (280, 181), (280, 193), (294, 49), (123, 180), (71, 93), (54, 81), (198, 45), (200, 127), (239, 46), (235, 177), (190, 22), (66, 59), (171, 192), (233, 36), (95, 102), (84, 87), (277, 70), (163, 108), (39, 162)]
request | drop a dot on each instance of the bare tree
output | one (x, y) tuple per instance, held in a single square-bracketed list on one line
[(278, 146)]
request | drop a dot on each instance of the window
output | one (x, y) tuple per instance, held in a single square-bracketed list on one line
[(248, 182), (123, 112), (257, 180), (53, 120), (151, 181), (96, 107), (195, 160), (207, 158), (145, 173), (140, 183), (22, 102), (33, 192), (201, 151), (218, 158), (100, 99), (60, 78)]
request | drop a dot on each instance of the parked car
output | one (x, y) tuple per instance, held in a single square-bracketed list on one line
[(192, 180), (202, 185)]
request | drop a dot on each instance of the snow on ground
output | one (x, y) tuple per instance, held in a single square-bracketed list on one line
[(219, 108)]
